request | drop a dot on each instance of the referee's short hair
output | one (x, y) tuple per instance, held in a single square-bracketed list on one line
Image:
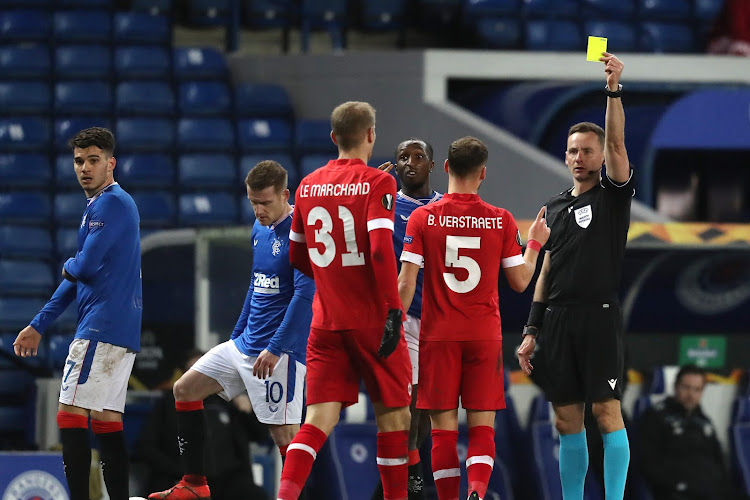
[(100, 137), (265, 174), (467, 156), (585, 127)]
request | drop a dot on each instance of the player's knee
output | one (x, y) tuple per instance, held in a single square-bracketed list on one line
[(282, 435), (182, 390), (608, 415)]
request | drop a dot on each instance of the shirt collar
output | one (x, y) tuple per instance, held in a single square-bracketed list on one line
[(435, 197), (98, 193), (281, 219)]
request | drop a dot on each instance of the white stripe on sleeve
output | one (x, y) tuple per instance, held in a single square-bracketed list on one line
[(298, 237), (516, 260), (414, 258), (381, 223)]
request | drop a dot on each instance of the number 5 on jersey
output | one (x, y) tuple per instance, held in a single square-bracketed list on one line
[(452, 246), (352, 257)]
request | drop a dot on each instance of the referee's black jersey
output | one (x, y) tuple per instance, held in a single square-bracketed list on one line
[(587, 242)]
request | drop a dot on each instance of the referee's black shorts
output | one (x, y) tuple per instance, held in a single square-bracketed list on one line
[(580, 354)]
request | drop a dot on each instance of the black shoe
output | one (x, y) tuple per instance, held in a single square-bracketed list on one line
[(474, 496)]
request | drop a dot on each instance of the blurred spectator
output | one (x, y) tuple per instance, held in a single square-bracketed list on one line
[(680, 453), (230, 428), (731, 34)]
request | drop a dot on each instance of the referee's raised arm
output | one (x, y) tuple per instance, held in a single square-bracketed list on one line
[(615, 154)]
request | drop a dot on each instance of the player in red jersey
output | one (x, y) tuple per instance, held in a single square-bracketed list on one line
[(342, 236), (462, 242)]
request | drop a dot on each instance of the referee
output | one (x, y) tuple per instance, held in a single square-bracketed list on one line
[(581, 352)]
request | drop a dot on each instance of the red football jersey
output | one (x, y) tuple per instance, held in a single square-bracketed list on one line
[(462, 242), (335, 208)]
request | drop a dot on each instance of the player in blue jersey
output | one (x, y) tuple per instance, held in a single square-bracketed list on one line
[(266, 354), (414, 164), (105, 278)]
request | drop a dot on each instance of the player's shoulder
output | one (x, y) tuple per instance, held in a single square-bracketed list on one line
[(115, 199)]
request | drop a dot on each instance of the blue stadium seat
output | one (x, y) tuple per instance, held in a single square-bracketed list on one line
[(144, 98), (666, 37), (25, 208), (263, 135), (145, 61), (262, 100), (310, 163), (554, 9), (621, 37), (69, 207), (247, 215), (66, 242), (25, 277), (353, 449), (25, 61), (606, 9), (204, 99), (205, 134), (540, 410), (146, 170), (23, 134), (708, 10), (156, 208), (80, 26), (83, 61), (25, 242), (554, 36), (438, 14), (59, 345), (29, 170), (208, 12), (285, 160), (491, 8), (385, 15), (499, 485), (741, 410), (197, 171), (313, 137), (44, 4), (24, 25), (740, 441), (139, 27), (198, 63), (94, 4), (323, 14), (671, 10), (83, 98), (65, 175), (145, 134), (66, 128), (209, 209), (269, 13), (24, 98), (153, 7), (16, 312), (16, 386), (498, 32)]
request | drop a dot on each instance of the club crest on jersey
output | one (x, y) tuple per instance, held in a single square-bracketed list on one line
[(583, 216), (276, 247), (387, 201)]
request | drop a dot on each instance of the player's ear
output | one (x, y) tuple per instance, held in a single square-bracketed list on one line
[(111, 163), (371, 135), (286, 195), (445, 166), (333, 138), (483, 173)]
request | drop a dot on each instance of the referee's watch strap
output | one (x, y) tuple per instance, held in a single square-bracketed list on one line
[(613, 93)]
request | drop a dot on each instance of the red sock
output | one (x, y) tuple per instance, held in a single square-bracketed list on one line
[(413, 457), (480, 458), (300, 455), (393, 463), (445, 468)]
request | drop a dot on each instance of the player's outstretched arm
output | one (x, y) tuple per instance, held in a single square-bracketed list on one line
[(615, 154), (60, 300), (534, 323), (407, 283), (520, 276)]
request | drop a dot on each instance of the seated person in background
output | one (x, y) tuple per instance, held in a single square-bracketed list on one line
[(680, 453), (230, 428)]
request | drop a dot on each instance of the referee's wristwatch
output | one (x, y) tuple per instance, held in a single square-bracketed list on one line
[(529, 330), (613, 93)]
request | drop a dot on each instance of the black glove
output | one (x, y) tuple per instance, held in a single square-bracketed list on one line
[(391, 333)]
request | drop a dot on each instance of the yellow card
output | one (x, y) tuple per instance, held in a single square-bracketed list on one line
[(597, 45)]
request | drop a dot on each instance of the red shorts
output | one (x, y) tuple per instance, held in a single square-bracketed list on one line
[(336, 360), (471, 369)]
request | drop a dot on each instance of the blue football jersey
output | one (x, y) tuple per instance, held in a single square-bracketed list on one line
[(278, 306), (405, 205)]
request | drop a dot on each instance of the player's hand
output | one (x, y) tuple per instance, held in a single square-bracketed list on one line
[(613, 68), (386, 167), (524, 353), (392, 333), (27, 342), (539, 230), (66, 275), (264, 365)]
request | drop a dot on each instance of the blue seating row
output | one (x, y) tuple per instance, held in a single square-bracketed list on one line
[(249, 135), (143, 98), (125, 61)]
